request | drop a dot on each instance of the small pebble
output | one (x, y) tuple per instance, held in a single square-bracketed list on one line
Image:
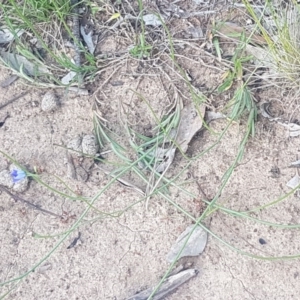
[(82, 174), (49, 102), (262, 241), (90, 145), (21, 186), (75, 145), (6, 179)]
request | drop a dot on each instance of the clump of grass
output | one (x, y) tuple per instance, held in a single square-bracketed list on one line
[(242, 102), (46, 22), (39, 11), (141, 49), (281, 33)]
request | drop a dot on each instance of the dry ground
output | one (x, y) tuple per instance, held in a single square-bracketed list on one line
[(117, 257)]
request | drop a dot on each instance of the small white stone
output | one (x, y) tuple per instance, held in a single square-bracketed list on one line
[(13, 167), (90, 145), (6, 179), (21, 186), (75, 145), (249, 22), (49, 102)]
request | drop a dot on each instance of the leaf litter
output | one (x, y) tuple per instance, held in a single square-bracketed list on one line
[(193, 247), (190, 124), (21, 64), (294, 182), (152, 20), (7, 36), (88, 39), (293, 129)]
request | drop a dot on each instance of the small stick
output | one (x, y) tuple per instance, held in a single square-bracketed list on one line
[(76, 34), (171, 283), (71, 171), (13, 99), (7, 82), (34, 206), (5, 118), (73, 244)]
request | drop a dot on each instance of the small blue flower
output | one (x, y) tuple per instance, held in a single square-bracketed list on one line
[(17, 175)]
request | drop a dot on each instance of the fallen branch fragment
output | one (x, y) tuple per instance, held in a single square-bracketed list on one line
[(171, 283), (13, 99), (73, 244), (7, 82), (78, 91), (76, 34), (34, 206)]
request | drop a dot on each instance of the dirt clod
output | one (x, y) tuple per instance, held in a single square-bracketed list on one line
[(49, 102)]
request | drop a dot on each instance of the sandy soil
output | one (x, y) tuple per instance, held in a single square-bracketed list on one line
[(116, 257)]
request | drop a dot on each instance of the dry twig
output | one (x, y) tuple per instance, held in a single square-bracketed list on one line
[(34, 206)]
